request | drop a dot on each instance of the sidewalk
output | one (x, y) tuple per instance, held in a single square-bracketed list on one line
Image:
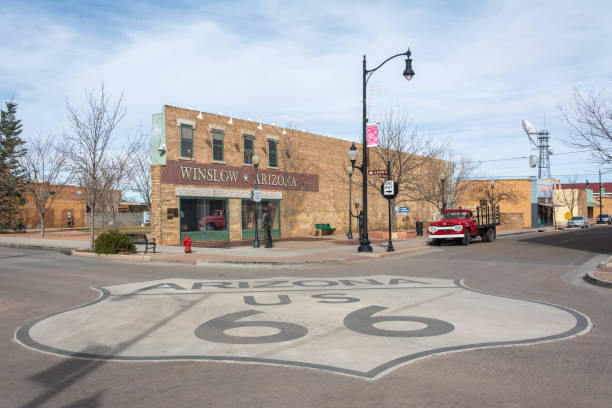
[(302, 251)]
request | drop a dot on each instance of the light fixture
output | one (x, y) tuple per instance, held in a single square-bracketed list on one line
[(352, 154), (259, 126), (230, 121), (284, 132), (200, 114), (408, 72), (256, 159), (161, 148), (492, 183)]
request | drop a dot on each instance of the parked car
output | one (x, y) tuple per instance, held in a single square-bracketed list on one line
[(578, 221), (604, 219)]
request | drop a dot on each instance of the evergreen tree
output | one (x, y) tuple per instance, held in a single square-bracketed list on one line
[(12, 176)]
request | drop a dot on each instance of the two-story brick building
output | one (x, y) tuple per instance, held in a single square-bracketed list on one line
[(203, 179)]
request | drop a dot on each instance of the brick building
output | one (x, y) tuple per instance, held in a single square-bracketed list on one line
[(68, 205), (525, 203), (203, 177)]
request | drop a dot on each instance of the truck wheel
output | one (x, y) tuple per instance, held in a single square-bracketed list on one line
[(486, 236), (493, 234), (466, 239)]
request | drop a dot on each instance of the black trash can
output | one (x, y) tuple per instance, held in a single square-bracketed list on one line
[(419, 228)]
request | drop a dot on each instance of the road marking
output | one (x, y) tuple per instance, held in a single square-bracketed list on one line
[(357, 326)]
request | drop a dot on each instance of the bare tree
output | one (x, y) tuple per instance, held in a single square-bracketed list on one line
[(442, 178), (140, 169), (114, 176), (89, 144), (590, 124), (500, 193), (46, 166), (405, 149), (569, 197)]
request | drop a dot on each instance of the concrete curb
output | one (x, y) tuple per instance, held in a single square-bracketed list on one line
[(267, 264), (63, 250), (116, 257), (594, 280), (396, 252)]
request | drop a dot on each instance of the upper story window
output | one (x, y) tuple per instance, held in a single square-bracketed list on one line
[(272, 153), (186, 141), (217, 145), (248, 142)]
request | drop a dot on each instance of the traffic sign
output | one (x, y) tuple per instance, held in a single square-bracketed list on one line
[(402, 211), (257, 195), (389, 189)]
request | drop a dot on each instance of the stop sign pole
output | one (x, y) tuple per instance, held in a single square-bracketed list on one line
[(389, 190)]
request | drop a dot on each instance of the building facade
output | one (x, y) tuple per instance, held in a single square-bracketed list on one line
[(203, 180), (68, 209)]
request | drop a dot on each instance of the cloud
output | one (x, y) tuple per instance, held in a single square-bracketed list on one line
[(481, 67)]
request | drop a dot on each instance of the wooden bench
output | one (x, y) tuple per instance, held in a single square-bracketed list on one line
[(142, 239), (324, 228)]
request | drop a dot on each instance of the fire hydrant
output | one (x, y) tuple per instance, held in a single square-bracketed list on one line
[(187, 243)]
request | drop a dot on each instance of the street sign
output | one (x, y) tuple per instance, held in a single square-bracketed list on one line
[(402, 211), (389, 189), (379, 173), (257, 195)]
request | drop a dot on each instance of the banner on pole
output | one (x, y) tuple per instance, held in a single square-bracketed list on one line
[(372, 135)]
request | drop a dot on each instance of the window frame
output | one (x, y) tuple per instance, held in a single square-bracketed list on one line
[(220, 132), (182, 139), (246, 160), (276, 143)]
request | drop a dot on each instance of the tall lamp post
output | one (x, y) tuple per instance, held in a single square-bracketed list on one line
[(255, 159), (367, 73), (349, 171)]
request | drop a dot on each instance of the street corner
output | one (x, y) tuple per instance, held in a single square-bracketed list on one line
[(363, 326)]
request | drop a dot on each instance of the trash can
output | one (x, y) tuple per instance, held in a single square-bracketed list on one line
[(419, 228)]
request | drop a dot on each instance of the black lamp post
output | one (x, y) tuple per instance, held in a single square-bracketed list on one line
[(255, 159), (367, 73), (349, 171)]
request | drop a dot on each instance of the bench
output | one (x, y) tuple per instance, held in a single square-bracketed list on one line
[(324, 228), (142, 239)]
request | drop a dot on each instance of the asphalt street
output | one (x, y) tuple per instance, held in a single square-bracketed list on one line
[(573, 371)]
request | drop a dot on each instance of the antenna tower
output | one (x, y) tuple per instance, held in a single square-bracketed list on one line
[(544, 149)]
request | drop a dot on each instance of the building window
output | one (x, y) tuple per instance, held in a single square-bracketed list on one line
[(268, 211), (248, 142), (203, 215), (187, 141), (272, 153), (217, 145)]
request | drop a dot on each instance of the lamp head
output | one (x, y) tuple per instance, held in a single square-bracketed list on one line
[(256, 158), (408, 72), (350, 170), (357, 202), (352, 154), (492, 183)]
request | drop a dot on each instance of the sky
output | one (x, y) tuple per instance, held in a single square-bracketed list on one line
[(481, 67)]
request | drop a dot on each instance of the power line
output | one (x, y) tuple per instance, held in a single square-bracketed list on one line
[(524, 157)]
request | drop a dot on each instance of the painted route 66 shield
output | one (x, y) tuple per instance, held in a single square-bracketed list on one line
[(359, 326)]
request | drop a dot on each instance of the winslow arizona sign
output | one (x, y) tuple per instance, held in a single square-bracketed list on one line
[(357, 326)]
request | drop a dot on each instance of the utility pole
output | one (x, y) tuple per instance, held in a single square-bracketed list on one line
[(600, 194)]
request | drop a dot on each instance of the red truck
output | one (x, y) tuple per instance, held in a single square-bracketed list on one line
[(213, 222), (463, 225)]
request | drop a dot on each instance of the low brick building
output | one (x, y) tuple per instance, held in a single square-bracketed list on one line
[(203, 179), (68, 209), (523, 203)]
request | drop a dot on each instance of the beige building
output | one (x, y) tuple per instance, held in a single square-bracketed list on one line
[(203, 180)]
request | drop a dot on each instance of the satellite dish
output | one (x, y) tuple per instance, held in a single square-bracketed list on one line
[(529, 130), (550, 151), (533, 161)]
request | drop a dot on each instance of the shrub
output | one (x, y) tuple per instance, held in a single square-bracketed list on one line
[(112, 242)]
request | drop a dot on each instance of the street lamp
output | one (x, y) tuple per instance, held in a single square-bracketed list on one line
[(367, 73), (349, 171), (255, 159)]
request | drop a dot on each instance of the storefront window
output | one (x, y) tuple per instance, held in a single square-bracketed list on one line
[(186, 141), (267, 209), (200, 214), (272, 153), (248, 148), (217, 145)]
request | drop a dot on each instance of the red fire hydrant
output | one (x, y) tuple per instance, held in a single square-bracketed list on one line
[(187, 243)]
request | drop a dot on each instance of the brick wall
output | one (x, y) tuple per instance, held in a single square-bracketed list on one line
[(67, 200)]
